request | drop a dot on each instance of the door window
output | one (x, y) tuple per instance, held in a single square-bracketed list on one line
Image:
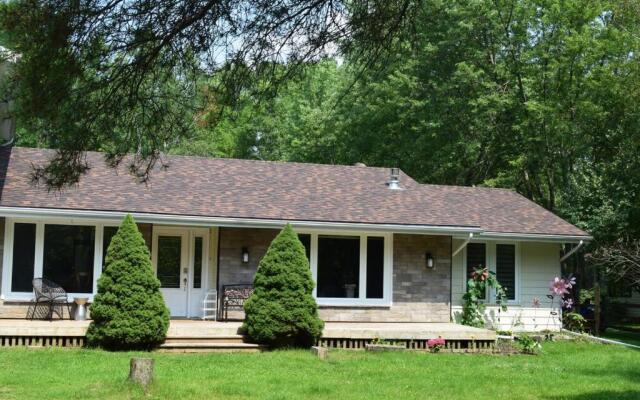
[(169, 261)]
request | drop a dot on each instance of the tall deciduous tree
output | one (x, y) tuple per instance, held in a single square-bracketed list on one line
[(536, 96)]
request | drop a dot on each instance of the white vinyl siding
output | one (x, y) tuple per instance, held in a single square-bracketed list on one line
[(539, 263)]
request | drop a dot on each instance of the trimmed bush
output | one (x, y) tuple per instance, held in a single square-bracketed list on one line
[(128, 312), (282, 312)]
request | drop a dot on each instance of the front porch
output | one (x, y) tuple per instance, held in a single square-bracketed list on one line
[(194, 335), (361, 276)]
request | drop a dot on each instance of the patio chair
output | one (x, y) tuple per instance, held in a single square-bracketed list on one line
[(50, 297), (233, 297)]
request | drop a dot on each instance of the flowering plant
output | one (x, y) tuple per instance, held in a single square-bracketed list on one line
[(473, 305), (560, 288), (435, 345)]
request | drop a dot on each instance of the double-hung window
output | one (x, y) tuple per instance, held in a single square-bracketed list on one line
[(350, 269)]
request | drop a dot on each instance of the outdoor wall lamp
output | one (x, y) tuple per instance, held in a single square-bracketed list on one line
[(245, 255), (430, 262)]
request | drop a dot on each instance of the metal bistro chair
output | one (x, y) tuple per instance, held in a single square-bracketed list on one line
[(50, 296)]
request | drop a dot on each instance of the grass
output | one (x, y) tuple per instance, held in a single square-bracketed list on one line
[(563, 371), (624, 335)]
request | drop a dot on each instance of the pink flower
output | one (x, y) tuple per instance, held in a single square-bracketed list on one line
[(568, 303), (570, 281), (536, 302), (436, 342), (480, 275), (558, 287)]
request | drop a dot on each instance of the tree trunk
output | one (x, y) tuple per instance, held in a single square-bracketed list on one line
[(141, 370)]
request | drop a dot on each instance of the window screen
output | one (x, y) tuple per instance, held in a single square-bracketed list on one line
[(375, 267), (24, 250), (68, 256), (338, 266), (476, 257), (506, 268)]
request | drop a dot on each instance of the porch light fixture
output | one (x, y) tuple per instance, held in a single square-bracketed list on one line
[(245, 255), (430, 262)]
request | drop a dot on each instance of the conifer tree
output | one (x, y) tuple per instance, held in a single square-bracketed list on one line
[(282, 312), (129, 311)]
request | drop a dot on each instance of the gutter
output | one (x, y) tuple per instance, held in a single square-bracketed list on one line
[(458, 232), (463, 245), (196, 220), (537, 237), (572, 251)]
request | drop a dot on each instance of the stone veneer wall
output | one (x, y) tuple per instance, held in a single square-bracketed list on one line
[(232, 240), (419, 295)]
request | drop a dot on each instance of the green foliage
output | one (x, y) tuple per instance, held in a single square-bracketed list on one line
[(96, 75), (282, 311), (573, 321), (473, 305), (128, 311), (586, 296), (380, 341), (538, 97), (529, 344)]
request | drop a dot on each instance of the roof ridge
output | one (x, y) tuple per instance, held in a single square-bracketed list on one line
[(283, 162)]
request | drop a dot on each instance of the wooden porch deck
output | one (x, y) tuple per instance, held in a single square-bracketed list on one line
[(332, 330)]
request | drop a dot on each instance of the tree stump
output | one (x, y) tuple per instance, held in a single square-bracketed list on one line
[(320, 352), (141, 370)]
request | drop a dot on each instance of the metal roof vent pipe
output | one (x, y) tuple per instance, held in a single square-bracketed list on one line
[(394, 179)]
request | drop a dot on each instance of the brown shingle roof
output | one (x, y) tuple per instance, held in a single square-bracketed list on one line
[(215, 187)]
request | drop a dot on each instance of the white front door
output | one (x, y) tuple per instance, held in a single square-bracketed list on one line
[(173, 270), (179, 257)]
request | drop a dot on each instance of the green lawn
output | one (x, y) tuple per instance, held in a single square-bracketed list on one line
[(626, 335), (563, 371)]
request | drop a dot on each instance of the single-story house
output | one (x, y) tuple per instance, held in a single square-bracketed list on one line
[(382, 247)]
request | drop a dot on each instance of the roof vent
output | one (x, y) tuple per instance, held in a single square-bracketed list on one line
[(394, 179), (359, 164)]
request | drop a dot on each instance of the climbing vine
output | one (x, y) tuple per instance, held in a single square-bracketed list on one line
[(473, 306)]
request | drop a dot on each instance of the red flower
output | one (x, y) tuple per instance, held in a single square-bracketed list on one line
[(480, 275)]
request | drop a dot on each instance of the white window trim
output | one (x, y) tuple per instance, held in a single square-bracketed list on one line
[(361, 300), (490, 262), (7, 259)]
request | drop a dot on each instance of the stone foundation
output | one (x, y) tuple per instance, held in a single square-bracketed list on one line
[(20, 310)]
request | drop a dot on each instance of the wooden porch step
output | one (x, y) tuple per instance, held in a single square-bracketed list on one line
[(205, 339), (208, 347)]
